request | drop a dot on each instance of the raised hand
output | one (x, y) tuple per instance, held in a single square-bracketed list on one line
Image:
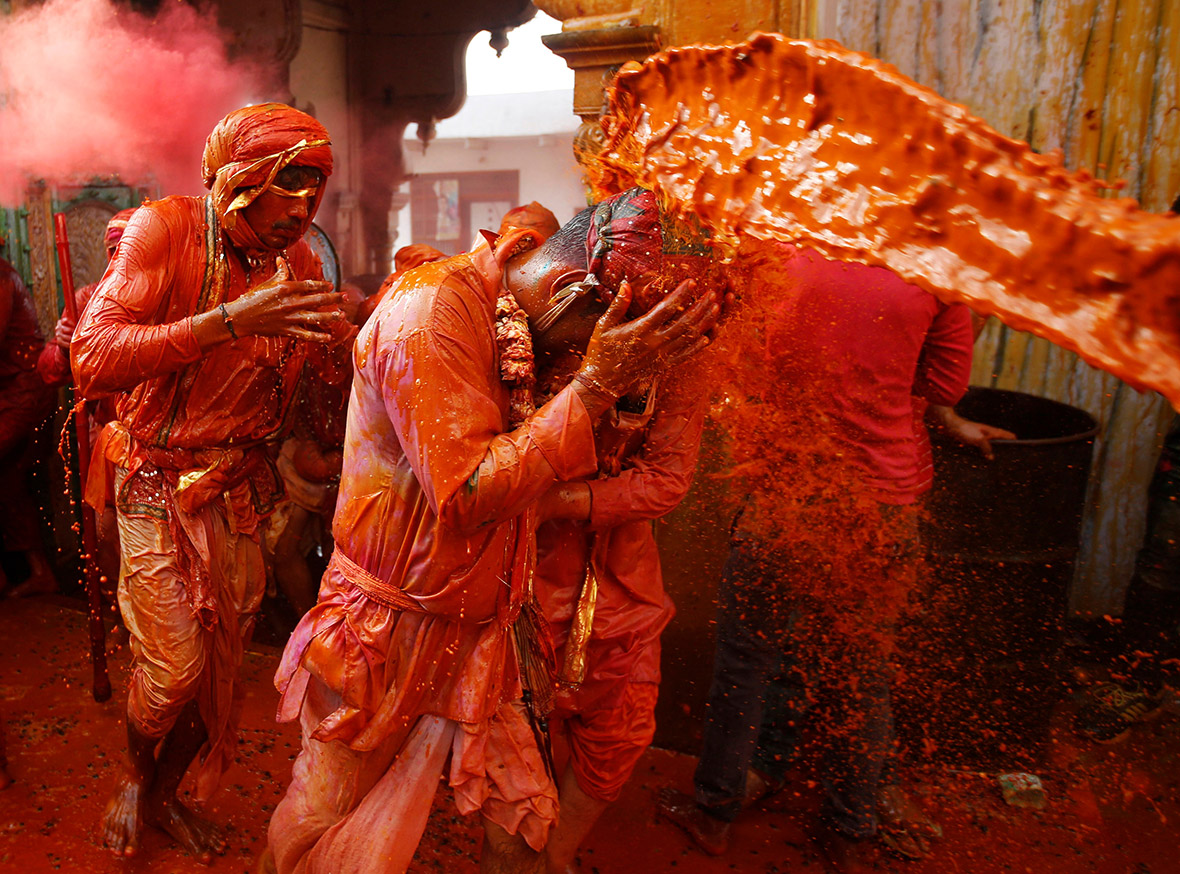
[(63, 332), (285, 307), (620, 353)]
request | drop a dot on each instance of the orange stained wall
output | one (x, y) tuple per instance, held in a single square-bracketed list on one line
[(1100, 80)]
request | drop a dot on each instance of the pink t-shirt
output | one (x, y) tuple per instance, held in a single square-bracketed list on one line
[(858, 343)]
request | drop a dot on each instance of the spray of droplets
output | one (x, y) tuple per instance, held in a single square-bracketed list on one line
[(87, 89)]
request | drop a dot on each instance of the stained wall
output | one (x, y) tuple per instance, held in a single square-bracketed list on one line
[(1097, 79)]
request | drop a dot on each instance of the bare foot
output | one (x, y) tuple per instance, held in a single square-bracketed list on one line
[(122, 823), (197, 835), (707, 832)]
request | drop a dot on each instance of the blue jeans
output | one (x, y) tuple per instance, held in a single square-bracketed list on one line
[(759, 661)]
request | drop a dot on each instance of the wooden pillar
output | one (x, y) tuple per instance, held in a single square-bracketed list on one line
[(597, 37)]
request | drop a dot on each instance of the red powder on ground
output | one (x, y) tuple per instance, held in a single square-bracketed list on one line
[(88, 89)]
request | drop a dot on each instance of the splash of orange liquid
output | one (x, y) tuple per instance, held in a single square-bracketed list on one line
[(805, 141)]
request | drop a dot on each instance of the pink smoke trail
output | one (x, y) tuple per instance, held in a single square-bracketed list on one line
[(87, 89)]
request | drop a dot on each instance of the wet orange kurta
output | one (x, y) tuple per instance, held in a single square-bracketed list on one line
[(646, 465), (184, 415), (135, 338), (434, 499)]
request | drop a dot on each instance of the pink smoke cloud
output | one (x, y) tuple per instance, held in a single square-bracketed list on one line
[(87, 89)]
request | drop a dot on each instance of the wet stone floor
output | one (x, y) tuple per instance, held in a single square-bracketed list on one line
[(1111, 809)]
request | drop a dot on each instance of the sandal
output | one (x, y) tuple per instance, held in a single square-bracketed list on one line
[(902, 825), (1109, 711)]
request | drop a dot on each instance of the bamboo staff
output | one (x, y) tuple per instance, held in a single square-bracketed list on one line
[(98, 649)]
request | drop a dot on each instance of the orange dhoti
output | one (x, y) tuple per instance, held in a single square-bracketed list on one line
[(353, 811), (177, 657)]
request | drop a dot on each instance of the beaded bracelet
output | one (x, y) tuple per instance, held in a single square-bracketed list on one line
[(229, 323)]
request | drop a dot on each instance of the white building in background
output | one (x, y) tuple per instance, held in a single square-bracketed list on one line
[(510, 144)]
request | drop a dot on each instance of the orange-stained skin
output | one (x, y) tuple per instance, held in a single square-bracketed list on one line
[(808, 142)]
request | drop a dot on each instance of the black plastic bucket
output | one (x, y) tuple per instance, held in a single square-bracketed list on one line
[(1002, 535)]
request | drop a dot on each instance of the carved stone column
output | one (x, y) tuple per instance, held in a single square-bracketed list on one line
[(597, 37)]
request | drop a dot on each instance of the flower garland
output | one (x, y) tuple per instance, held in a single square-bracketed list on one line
[(518, 365)]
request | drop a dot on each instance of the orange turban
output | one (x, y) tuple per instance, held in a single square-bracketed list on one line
[(531, 215), (249, 147), (409, 257)]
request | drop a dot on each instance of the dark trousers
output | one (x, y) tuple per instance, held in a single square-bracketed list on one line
[(1150, 633), (757, 697)]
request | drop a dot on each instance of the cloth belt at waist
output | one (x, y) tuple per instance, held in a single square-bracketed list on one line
[(376, 589)]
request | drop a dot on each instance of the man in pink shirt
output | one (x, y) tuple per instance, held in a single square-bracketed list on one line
[(826, 551), (418, 648)]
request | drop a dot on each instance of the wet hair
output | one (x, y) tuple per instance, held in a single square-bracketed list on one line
[(568, 245)]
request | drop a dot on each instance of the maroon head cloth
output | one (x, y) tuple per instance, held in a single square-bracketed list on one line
[(633, 237)]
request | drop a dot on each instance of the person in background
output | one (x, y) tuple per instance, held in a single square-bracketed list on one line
[(598, 574), (1147, 636), (406, 258), (25, 402), (825, 551), (54, 367), (201, 327), (531, 215)]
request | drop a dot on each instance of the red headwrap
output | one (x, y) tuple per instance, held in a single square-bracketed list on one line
[(248, 148), (531, 215), (632, 237), (116, 226)]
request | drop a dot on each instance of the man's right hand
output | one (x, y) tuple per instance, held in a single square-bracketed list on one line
[(285, 307), (621, 353), (63, 332)]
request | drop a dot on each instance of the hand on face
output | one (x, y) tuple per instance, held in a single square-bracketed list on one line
[(621, 353), (283, 307)]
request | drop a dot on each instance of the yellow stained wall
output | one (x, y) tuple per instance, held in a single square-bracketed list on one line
[(1097, 79)]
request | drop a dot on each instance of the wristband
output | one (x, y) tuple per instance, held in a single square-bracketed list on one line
[(595, 386), (229, 323)]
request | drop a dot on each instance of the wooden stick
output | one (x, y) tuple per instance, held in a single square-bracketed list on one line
[(98, 649)]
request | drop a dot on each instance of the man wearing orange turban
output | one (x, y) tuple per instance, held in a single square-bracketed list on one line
[(531, 215), (200, 328)]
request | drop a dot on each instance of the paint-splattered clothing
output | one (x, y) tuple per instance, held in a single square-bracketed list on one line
[(411, 642), (191, 442), (646, 464)]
